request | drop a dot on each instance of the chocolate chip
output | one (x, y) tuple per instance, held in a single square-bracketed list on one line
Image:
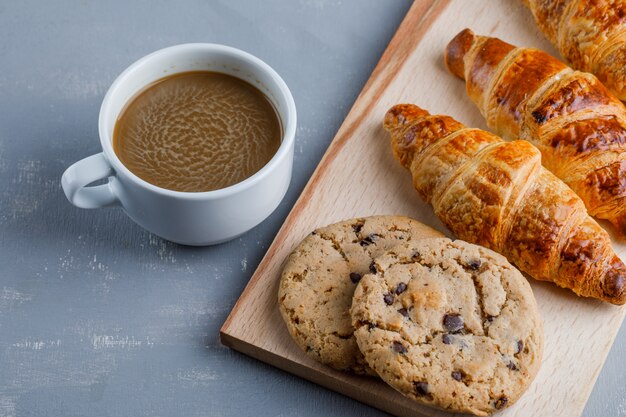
[(520, 346), (490, 319), (370, 326), (373, 269), (369, 239), (401, 288), (474, 264), (446, 339), (399, 347), (421, 388), (313, 233), (453, 322), (357, 227), (416, 255), (511, 366), (457, 375), (388, 299), (354, 277), (501, 402), (404, 312)]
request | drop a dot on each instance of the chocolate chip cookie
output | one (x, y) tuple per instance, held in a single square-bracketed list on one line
[(319, 279), (449, 324)]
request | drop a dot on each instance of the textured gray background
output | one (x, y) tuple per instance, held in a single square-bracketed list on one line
[(98, 317)]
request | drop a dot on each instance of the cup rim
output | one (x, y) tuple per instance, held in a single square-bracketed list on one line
[(289, 124)]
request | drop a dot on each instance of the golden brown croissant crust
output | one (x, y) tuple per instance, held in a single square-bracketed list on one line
[(591, 34), (578, 126), (497, 194)]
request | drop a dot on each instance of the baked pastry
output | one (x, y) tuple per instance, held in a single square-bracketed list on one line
[(319, 278), (579, 127), (497, 194), (449, 324), (591, 34)]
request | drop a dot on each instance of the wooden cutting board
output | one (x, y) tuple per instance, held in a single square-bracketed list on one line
[(358, 176)]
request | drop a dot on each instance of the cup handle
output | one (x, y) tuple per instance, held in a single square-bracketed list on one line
[(76, 178)]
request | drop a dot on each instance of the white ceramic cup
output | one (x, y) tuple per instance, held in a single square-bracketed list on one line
[(202, 218)]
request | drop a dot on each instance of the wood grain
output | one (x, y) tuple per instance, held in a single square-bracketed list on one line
[(358, 176)]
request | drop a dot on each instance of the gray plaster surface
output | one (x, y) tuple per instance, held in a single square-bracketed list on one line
[(97, 316)]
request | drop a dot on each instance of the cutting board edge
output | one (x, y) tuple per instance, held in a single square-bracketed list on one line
[(320, 376)]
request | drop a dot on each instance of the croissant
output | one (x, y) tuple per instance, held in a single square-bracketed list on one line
[(579, 127), (591, 34), (497, 194)]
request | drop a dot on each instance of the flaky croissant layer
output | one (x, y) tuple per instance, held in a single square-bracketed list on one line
[(497, 194), (579, 127), (590, 34)]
